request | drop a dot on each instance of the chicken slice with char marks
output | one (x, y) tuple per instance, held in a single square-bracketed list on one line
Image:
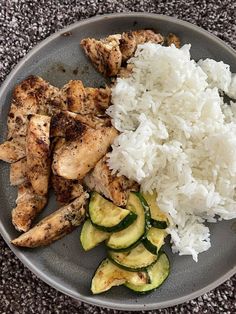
[(18, 172), (85, 100), (31, 96), (56, 225), (38, 153), (66, 190), (13, 150), (28, 205), (130, 40), (62, 123), (116, 188), (108, 54), (104, 54), (73, 159)]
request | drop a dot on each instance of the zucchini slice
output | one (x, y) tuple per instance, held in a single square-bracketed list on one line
[(159, 219), (90, 236), (136, 259), (154, 240), (133, 235), (158, 274), (108, 217), (109, 275)]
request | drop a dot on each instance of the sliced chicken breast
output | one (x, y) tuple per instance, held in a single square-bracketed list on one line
[(13, 150), (116, 188), (66, 190), (31, 96), (38, 153), (28, 205), (85, 100), (64, 123), (105, 54), (18, 172), (130, 40), (73, 159), (56, 225)]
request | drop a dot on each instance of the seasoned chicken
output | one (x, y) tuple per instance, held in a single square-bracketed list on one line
[(31, 96), (108, 54), (93, 121), (173, 39), (130, 40), (105, 54), (13, 150), (125, 71), (85, 100), (38, 153), (116, 188), (64, 123), (56, 225), (18, 172), (66, 190), (73, 159), (28, 205)]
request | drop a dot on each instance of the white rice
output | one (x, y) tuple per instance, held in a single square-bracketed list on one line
[(179, 139)]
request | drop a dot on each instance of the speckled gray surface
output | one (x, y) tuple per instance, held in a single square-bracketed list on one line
[(22, 25)]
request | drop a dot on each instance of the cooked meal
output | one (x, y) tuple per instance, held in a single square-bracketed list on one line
[(151, 155)]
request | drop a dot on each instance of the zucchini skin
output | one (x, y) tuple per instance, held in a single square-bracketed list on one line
[(126, 222), (155, 240), (86, 240), (159, 224), (139, 292), (134, 268), (155, 222), (147, 226), (117, 277), (129, 268)]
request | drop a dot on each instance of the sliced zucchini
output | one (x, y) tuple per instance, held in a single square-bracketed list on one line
[(90, 236), (136, 259), (108, 217), (154, 240), (109, 275), (159, 219), (158, 274), (133, 235)]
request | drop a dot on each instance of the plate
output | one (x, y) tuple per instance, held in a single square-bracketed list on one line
[(63, 264)]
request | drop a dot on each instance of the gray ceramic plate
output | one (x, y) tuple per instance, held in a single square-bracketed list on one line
[(63, 264)]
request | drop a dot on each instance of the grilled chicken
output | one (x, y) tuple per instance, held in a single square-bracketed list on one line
[(56, 225), (38, 154), (108, 54), (85, 100), (31, 96), (28, 205), (116, 188), (130, 40), (173, 39), (65, 122), (73, 159), (125, 71), (18, 172), (66, 190), (93, 121), (13, 150), (105, 54)]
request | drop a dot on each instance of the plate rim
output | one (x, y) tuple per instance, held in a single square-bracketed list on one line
[(19, 254)]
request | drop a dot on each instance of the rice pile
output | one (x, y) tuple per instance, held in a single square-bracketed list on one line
[(178, 137)]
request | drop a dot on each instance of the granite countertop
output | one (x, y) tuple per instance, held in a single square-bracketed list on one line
[(24, 23)]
